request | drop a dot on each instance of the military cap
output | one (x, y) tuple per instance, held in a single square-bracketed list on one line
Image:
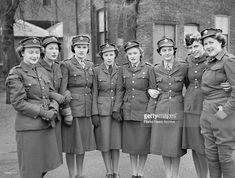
[(50, 39), (190, 38), (165, 42), (209, 32), (131, 44), (30, 42), (81, 39), (107, 47)]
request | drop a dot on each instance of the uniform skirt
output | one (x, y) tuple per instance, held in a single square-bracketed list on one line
[(79, 137), (192, 137), (136, 137), (166, 138), (37, 152), (59, 138), (108, 134)]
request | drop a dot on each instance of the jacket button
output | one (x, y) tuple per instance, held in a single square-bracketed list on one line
[(195, 86), (195, 79), (195, 71), (133, 89), (169, 83), (170, 97), (133, 81), (133, 96), (196, 64), (43, 97)]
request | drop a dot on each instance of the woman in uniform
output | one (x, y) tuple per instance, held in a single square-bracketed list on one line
[(134, 80), (167, 126), (107, 129), (217, 118), (77, 74), (49, 62), (37, 147), (192, 137)]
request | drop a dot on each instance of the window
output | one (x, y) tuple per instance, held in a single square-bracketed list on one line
[(222, 22), (46, 2), (160, 31), (190, 28), (100, 27)]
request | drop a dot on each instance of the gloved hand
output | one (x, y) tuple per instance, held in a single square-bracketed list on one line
[(47, 115), (95, 121), (68, 118), (67, 97), (116, 116)]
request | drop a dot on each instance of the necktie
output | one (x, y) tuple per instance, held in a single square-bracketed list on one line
[(168, 67), (110, 69), (134, 66)]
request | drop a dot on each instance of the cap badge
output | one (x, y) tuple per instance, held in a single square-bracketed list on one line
[(107, 45), (34, 40), (81, 38), (166, 40), (205, 32)]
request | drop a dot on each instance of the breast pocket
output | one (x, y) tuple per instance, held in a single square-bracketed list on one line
[(218, 73), (102, 82), (126, 78), (179, 79), (74, 78)]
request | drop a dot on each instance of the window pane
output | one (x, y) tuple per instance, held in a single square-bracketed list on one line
[(222, 22), (101, 20)]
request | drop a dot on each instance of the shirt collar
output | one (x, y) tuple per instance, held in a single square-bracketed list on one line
[(220, 55)]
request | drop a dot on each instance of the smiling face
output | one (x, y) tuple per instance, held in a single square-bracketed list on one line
[(133, 55), (31, 55), (109, 57), (81, 50), (167, 53), (52, 51), (212, 46), (196, 49)]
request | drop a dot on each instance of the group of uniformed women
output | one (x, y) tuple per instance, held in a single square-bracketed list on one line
[(74, 107)]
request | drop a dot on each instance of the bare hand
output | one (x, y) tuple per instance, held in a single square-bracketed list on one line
[(153, 93)]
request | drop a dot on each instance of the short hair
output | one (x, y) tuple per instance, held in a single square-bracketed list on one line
[(141, 52)]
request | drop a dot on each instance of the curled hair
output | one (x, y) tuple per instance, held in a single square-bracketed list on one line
[(72, 47), (159, 49), (43, 51), (20, 49), (221, 38), (190, 38)]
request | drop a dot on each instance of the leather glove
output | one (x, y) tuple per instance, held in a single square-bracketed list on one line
[(116, 116), (68, 118), (58, 97), (67, 97), (96, 121), (47, 115)]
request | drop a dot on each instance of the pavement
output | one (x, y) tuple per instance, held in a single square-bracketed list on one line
[(93, 165)]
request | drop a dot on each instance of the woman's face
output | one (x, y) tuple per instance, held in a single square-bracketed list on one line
[(109, 57), (52, 51), (31, 55), (212, 46), (133, 55), (167, 53), (81, 50), (196, 49)]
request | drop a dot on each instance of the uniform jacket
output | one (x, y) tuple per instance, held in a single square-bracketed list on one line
[(194, 97), (170, 101), (104, 90), (78, 81), (29, 91), (54, 74), (220, 69), (132, 90)]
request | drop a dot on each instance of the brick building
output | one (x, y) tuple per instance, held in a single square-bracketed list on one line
[(144, 20)]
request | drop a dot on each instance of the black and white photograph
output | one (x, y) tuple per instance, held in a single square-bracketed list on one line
[(117, 89)]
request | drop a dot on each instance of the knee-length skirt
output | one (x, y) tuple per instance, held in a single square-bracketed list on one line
[(108, 134), (79, 137), (37, 151), (136, 137), (166, 138)]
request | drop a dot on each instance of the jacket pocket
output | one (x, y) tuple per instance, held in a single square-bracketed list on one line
[(179, 79)]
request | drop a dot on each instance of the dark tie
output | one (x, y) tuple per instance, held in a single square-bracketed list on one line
[(168, 67), (110, 69)]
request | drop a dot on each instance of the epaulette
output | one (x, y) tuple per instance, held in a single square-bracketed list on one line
[(13, 68), (230, 55), (147, 63), (125, 63), (156, 64), (182, 62)]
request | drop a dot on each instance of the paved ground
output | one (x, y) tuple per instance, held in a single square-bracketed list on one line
[(94, 167)]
